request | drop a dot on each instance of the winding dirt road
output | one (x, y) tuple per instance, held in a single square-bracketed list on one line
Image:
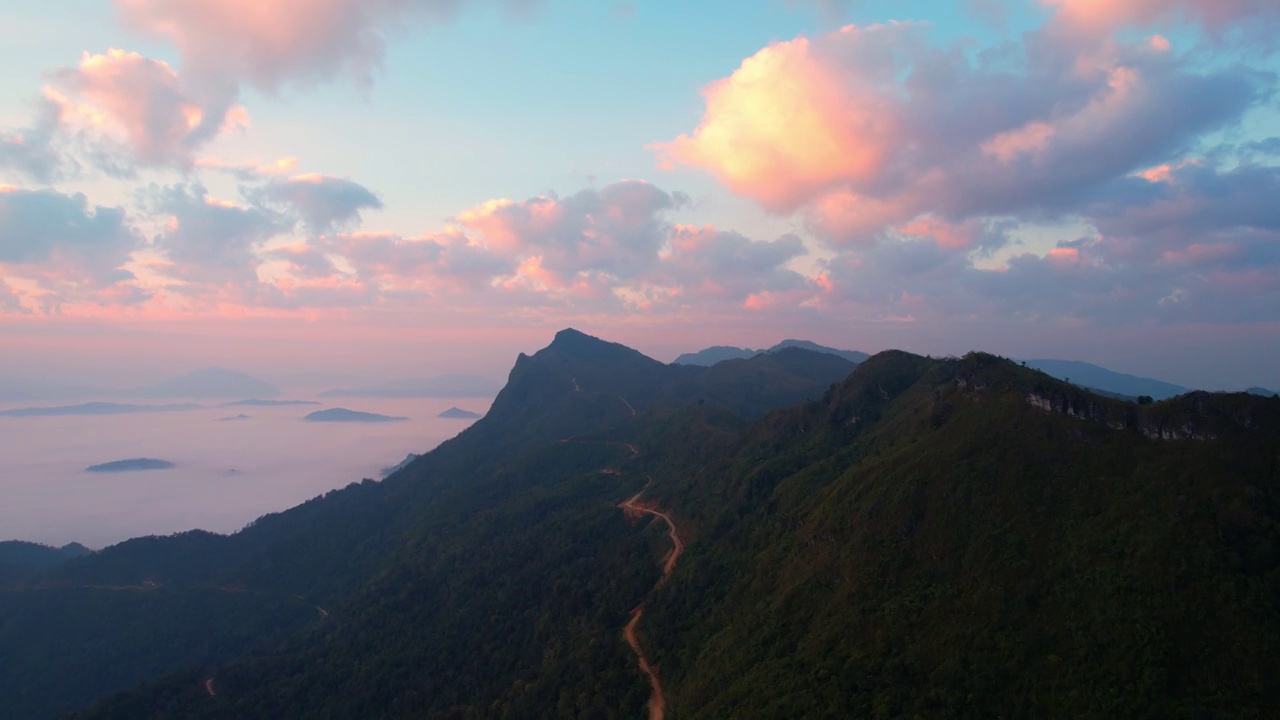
[(624, 402), (634, 508)]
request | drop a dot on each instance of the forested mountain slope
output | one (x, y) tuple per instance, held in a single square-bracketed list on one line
[(931, 538), (967, 538), (294, 575)]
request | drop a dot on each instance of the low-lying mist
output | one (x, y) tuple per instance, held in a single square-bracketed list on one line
[(228, 470)]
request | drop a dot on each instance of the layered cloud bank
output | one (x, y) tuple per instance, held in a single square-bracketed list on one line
[(915, 162), (1101, 169)]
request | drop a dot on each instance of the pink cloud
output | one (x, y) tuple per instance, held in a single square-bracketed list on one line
[(268, 42), (142, 104), (864, 129), (65, 250), (271, 44), (212, 247), (801, 117), (10, 301), (1216, 15), (321, 202), (31, 152), (250, 171), (616, 230)]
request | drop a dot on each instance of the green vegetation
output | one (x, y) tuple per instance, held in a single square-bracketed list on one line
[(927, 538), (929, 543)]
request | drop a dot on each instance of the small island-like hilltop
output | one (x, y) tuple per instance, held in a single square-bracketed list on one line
[(345, 415), (131, 465)]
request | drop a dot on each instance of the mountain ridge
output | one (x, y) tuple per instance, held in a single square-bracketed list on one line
[(720, 353), (209, 383), (887, 532)]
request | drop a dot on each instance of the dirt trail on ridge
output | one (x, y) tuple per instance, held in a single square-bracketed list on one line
[(633, 508)]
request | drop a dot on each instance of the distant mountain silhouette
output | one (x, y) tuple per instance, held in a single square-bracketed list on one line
[(720, 353), (455, 413), (29, 554), (20, 560), (214, 382), (444, 386), (353, 416), (97, 408), (1111, 382), (255, 402), (1261, 392), (234, 418), (714, 354), (132, 465)]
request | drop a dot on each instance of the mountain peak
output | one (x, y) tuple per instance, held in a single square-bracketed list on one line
[(575, 345), (210, 382), (570, 337)]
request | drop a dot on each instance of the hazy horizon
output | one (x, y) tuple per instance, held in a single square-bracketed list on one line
[(1193, 367), (227, 473)]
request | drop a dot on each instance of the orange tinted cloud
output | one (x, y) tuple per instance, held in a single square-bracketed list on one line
[(1106, 15), (142, 104), (270, 43), (789, 121), (867, 129)]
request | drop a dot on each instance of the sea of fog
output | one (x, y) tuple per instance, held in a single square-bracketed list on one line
[(228, 472)]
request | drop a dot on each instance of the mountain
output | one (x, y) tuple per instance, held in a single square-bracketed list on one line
[(716, 353), (457, 413), (214, 382), (1261, 392), (917, 537), (21, 561), (351, 416), (1100, 378), (851, 355), (96, 408), (507, 483), (721, 353), (132, 465), (19, 554), (444, 386)]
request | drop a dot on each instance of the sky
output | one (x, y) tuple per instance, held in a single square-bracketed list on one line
[(395, 188)]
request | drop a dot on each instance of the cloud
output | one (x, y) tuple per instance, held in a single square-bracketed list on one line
[(272, 44), (867, 128), (607, 250), (324, 204), (706, 264), (305, 262), (1216, 16), (36, 225), (446, 264), (211, 244), (70, 250), (615, 231), (1199, 244), (250, 171), (801, 117), (10, 303), (140, 109), (31, 153)]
